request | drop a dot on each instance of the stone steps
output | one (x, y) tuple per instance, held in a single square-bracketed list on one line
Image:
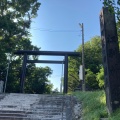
[(35, 107), (31, 116), (13, 114)]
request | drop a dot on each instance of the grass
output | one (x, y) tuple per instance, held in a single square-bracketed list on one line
[(94, 105), (115, 115)]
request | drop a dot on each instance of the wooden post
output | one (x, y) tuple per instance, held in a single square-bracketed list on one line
[(110, 52), (65, 90)]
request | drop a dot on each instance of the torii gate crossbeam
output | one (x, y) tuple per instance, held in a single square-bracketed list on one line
[(48, 53)]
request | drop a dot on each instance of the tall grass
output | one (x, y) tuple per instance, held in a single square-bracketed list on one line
[(115, 115), (94, 104)]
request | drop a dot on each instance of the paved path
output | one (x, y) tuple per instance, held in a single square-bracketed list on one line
[(15, 106)]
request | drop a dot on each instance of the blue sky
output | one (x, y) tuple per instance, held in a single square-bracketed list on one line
[(56, 28)]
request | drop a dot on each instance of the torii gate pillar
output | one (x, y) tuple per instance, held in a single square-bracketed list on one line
[(65, 90)]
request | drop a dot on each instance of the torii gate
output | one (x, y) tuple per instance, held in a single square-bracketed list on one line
[(51, 53)]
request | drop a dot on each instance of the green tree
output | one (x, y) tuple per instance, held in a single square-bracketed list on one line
[(92, 54), (113, 6), (73, 68), (100, 77), (37, 79), (15, 18), (90, 80), (15, 66), (93, 62)]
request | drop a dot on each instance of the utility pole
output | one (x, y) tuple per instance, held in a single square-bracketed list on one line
[(62, 79), (83, 62), (9, 58)]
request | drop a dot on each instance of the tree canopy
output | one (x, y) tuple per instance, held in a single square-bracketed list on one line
[(16, 17), (114, 6), (93, 64)]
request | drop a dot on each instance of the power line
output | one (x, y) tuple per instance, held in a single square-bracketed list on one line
[(51, 30)]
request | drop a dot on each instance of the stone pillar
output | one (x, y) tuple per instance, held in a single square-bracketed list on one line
[(110, 53)]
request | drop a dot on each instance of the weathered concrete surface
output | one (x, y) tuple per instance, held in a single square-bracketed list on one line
[(38, 107), (111, 59)]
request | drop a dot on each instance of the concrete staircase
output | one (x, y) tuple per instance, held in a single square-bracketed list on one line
[(36, 107)]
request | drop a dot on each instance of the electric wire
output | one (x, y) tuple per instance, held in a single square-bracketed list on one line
[(52, 30)]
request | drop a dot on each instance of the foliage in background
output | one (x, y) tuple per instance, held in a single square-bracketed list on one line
[(93, 56), (90, 80), (37, 80), (100, 78), (73, 67), (93, 63), (15, 18), (113, 6)]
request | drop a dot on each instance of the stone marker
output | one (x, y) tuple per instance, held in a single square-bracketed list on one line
[(110, 52)]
